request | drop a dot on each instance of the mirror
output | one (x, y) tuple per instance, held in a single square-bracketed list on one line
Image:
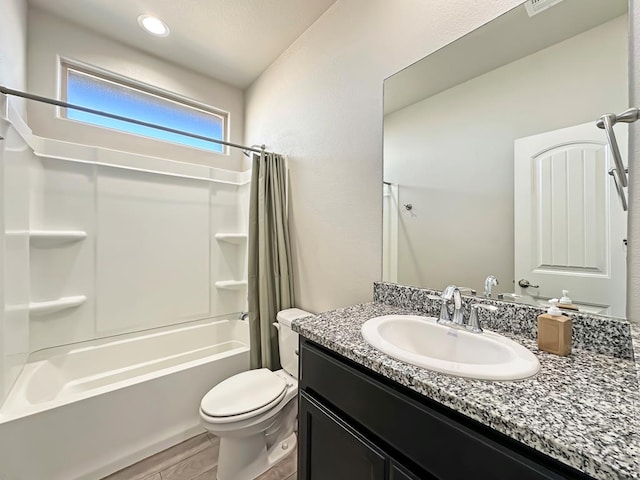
[(493, 164)]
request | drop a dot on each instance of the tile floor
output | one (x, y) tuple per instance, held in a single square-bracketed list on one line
[(194, 459)]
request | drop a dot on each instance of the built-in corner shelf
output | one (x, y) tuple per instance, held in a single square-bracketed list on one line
[(53, 306), (234, 253), (46, 238), (231, 284), (236, 238)]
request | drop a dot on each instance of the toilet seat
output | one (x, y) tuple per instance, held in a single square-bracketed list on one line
[(243, 396)]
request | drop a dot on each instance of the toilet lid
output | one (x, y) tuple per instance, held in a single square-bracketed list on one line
[(243, 393)]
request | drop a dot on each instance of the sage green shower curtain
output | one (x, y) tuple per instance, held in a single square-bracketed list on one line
[(270, 274)]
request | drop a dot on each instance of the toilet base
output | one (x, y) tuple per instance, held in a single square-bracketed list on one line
[(248, 457)]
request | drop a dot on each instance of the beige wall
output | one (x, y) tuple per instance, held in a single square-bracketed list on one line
[(51, 37), (452, 154), (321, 104)]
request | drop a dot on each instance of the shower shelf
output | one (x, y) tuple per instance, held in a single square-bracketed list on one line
[(236, 238), (231, 284), (43, 238), (54, 306)]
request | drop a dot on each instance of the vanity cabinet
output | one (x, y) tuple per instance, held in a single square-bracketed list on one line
[(334, 450), (399, 473), (355, 424)]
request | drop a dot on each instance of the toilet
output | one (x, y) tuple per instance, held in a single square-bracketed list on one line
[(254, 413)]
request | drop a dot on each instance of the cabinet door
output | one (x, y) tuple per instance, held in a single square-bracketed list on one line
[(331, 450), (399, 473)]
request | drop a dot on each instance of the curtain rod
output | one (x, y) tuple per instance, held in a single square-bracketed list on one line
[(58, 103)]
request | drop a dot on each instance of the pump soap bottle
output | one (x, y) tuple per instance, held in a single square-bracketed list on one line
[(554, 331), (565, 302)]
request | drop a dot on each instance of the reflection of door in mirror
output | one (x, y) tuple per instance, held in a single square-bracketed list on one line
[(450, 124), (569, 225)]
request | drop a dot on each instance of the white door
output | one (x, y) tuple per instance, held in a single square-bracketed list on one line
[(569, 223)]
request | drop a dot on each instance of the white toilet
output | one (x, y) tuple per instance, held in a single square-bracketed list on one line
[(254, 413)]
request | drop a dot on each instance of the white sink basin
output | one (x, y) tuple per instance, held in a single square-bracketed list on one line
[(424, 343)]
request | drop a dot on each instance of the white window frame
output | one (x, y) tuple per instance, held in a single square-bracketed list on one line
[(145, 89)]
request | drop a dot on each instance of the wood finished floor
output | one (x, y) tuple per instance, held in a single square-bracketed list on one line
[(194, 459)]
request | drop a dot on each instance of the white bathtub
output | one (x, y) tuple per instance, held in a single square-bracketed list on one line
[(85, 411)]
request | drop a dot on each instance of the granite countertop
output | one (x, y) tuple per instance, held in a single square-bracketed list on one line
[(581, 409)]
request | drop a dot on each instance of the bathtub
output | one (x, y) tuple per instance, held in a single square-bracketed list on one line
[(84, 411)]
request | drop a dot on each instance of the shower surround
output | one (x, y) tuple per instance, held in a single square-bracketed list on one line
[(113, 260)]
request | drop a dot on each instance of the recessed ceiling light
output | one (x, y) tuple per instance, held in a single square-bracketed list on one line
[(153, 25)]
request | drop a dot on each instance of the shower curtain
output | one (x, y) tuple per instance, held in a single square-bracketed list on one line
[(270, 275)]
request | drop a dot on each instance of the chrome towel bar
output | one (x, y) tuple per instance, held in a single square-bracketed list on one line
[(619, 171), (606, 122)]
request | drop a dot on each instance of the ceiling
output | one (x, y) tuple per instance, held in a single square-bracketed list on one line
[(231, 40), (485, 49)]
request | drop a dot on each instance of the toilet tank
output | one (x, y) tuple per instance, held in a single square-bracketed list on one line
[(288, 339)]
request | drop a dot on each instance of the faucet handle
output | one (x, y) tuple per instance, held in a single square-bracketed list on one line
[(468, 290), (474, 321), (444, 316)]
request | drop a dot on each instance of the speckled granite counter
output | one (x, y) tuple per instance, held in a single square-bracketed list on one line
[(581, 409)]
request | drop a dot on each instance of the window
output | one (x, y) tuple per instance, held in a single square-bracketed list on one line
[(109, 94)]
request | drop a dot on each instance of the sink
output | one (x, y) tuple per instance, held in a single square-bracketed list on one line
[(421, 341)]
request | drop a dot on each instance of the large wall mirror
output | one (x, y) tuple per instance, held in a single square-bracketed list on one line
[(494, 165)]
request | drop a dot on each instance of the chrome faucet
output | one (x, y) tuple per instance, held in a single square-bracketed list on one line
[(474, 321), (451, 293), (490, 282)]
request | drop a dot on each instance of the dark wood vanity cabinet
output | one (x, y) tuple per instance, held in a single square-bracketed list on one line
[(333, 449), (357, 425)]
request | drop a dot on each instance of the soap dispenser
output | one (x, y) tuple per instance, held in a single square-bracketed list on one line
[(554, 331), (565, 302)]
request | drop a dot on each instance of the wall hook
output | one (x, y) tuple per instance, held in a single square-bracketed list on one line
[(408, 206)]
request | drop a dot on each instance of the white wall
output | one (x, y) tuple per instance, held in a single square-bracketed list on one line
[(633, 251), (13, 44), (452, 153), (51, 37), (321, 104), (17, 287), (14, 251)]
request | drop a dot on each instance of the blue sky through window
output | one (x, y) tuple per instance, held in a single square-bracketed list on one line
[(99, 94)]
